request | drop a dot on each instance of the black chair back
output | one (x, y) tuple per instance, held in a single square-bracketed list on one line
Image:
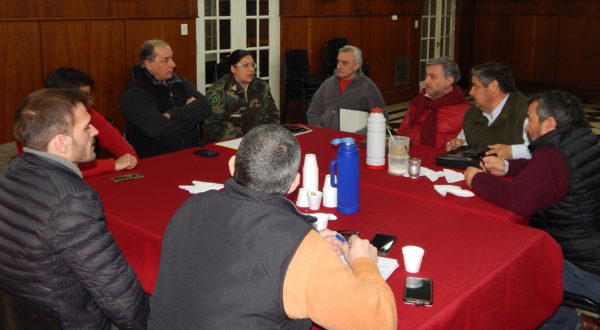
[(221, 69), (331, 53), (19, 314), (297, 80)]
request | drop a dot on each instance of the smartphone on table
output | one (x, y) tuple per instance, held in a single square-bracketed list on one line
[(383, 243), (418, 291)]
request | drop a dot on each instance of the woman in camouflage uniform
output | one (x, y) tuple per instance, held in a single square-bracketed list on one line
[(239, 100)]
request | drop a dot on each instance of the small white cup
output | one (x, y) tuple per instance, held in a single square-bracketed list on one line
[(302, 200), (322, 221), (413, 256), (314, 200)]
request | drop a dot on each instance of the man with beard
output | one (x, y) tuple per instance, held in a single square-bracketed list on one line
[(435, 116), (559, 189), (56, 251)]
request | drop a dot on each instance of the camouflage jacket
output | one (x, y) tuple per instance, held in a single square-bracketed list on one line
[(235, 112)]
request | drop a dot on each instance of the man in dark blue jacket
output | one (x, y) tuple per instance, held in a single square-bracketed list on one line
[(163, 111), (55, 250)]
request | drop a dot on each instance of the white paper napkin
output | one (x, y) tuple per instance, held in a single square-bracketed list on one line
[(453, 176), (444, 189), (201, 186)]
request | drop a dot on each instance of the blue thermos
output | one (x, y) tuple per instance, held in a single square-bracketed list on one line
[(347, 175)]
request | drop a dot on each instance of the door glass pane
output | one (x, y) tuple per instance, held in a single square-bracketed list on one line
[(251, 33), (210, 35), (250, 7), (225, 33), (425, 27), (264, 63), (263, 7), (224, 8), (264, 32), (210, 8)]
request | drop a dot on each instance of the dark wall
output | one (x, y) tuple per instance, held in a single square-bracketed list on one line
[(547, 43), (100, 37), (367, 24)]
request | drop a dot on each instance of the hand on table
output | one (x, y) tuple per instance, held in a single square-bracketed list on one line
[(127, 161), (358, 248), (494, 165), (454, 144), (470, 173), (503, 151)]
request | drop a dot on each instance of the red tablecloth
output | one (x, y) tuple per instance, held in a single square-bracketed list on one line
[(487, 271)]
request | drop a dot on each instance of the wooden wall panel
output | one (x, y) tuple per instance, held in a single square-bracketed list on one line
[(547, 43), (491, 36), (533, 38), (94, 46), (78, 9), (20, 69)]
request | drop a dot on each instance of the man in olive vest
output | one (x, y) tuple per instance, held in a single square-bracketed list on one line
[(496, 122)]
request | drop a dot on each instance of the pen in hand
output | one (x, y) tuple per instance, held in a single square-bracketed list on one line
[(341, 238)]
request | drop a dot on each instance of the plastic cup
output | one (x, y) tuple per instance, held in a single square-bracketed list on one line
[(398, 155), (302, 200), (413, 256), (310, 172), (314, 200), (322, 221)]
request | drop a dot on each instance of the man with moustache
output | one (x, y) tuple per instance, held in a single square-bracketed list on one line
[(56, 251), (349, 88), (559, 189), (435, 116), (163, 111)]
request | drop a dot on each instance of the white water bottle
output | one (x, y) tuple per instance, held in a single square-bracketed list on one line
[(376, 125)]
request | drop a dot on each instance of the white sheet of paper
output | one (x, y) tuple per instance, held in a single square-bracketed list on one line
[(231, 144), (353, 120), (385, 265)]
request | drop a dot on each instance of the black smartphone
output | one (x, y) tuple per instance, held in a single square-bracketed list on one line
[(418, 291), (383, 243), (205, 153)]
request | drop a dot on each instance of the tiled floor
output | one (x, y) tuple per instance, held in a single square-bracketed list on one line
[(592, 109)]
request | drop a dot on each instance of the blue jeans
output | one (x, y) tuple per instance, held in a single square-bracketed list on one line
[(576, 281)]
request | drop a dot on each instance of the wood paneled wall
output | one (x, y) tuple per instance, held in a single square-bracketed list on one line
[(368, 25), (547, 43), (99, 37)]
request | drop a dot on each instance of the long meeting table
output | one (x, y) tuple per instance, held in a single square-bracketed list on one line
[(489, 269)]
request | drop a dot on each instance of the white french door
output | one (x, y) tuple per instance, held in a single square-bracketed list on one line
[(437, 31), (226, 25)]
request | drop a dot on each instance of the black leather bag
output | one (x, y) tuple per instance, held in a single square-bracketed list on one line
[(462, 158)]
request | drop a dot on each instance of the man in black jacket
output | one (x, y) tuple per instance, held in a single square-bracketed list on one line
[(163, 111), (55, 249)]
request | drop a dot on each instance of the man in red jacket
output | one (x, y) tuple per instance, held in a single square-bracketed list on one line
[(108, 137), (435, 116)]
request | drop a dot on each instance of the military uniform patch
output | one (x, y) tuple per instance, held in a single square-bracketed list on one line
[(214, 100)]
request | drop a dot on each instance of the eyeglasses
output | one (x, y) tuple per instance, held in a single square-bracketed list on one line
[(246, 65)]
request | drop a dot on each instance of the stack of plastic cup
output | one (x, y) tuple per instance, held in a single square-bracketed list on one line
[(310, 173)]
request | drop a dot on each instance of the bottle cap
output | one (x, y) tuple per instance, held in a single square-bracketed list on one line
[(377, 110), (347, 140)]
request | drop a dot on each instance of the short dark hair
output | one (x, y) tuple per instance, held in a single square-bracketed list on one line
[(44, 114), (267, 160), (147, 49), (236, 57), (68, 78), (450, 68), (490, 71), (565, 108)]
